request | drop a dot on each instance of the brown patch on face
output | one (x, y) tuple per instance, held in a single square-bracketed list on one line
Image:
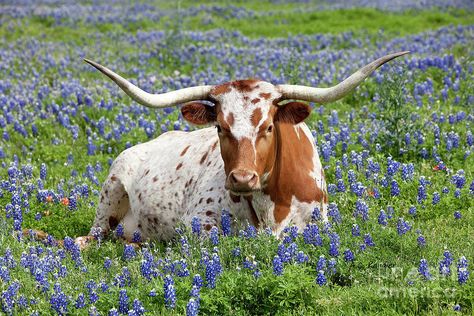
[(209, 200), (208, 227), (221, 89), (155, 178), (209, 213), (255, 101), (256, 117), (291, 176), (244, 85), (179, 166), (230, 119), (185, 150), (113, 178), (203, 158), (264, 95)]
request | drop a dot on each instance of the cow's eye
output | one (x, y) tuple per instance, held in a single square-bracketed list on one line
[(219, 129), (270, 128)]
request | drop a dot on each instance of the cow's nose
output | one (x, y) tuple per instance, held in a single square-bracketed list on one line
[(243, 180)]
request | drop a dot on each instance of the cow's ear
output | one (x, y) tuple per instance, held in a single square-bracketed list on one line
[(292, 112), (199, 113)]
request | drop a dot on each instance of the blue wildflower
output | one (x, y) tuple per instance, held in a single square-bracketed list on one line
[(169, 292), (277, 265), (226, 223), (463, 272), (349, 255), (321, 278), (196, 225), (355, 230), (214, 235), (123, 302), (424, 270), (129, 253)]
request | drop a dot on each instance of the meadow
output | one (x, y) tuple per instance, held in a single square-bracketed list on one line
[(398, 155)]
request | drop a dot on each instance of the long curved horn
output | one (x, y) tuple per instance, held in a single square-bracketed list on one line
[(326, 95), (154, 100)]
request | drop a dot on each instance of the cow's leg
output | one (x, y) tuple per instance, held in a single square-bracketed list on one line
[(113, 207)]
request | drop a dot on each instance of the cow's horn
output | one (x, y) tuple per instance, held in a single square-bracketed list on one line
[(326, 95), (154, 100)]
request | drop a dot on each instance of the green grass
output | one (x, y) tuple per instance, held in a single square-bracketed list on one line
[(283, 23)]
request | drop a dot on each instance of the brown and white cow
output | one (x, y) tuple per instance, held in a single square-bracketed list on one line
[(259, 161)]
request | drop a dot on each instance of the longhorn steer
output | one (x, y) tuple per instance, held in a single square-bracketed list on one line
[(259, 161)]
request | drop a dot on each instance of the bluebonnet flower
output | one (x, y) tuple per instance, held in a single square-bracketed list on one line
[(311, 235), (277, 265), (458, 179), (457, 193), (290, 234), (463, 272), (74, 250), (368, 240), (80, 301), (59, 301), (382, 218), (457, 308), (129, 253), (226, 223), (421, 194), (457, 215), (355, 230), (123, 302), (316, 215), (119, 231), (395, 189), (361, 210), (445, 263), (333, 212), (138, 308), (349, 255), (421, 240), (198, 281), (402, 226), (196, 225), (192, 308), (43, 171), (334, 244), (136, 237), (321, 278), (214, 235), (424, 270), (72, 206), (301, 257), (340, 186), (236, 251), (412, 210), (436, 198), (213, 269), (169, 292), (107, 263)]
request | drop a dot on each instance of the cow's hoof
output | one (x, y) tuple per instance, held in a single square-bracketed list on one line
[(84, 241)]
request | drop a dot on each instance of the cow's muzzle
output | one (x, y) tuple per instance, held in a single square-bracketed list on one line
[(242, 181)]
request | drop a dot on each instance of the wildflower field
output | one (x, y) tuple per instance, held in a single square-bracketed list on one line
[(398, 157)]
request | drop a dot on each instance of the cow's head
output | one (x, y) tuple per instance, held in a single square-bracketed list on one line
[(245, 114)]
